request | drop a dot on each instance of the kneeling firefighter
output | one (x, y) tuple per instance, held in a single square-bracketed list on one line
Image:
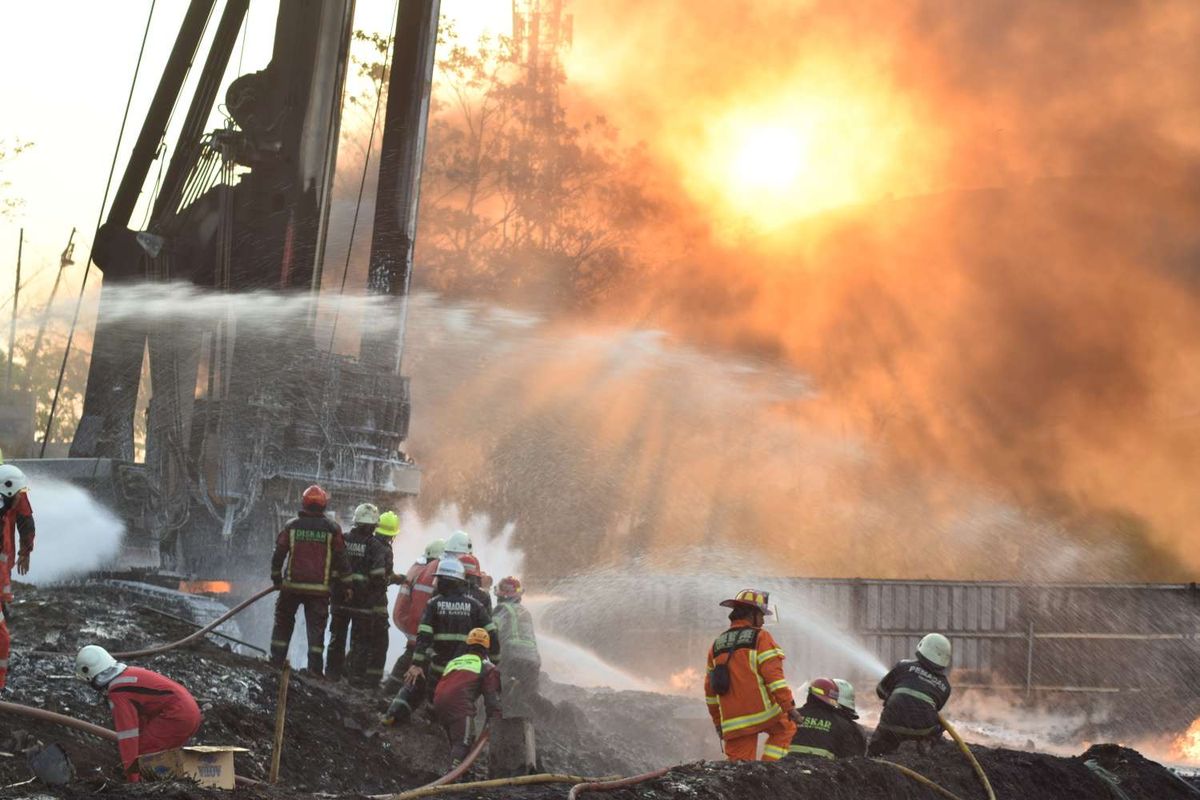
[(847, 708), (913, 693), (464, 680), (151, 713), (448, 620), (821, 730), (744, 685)]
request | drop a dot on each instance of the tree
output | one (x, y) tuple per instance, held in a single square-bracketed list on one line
[(9, 151)]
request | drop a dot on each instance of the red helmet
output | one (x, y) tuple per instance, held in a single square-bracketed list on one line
[(314, 499), (510, 588), (824, 690), (471, 564)]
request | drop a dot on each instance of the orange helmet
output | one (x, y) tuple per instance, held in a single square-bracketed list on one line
[(471, 565), (510, 588), (480, 637), (824, 690), (314, 499), (752, 598)]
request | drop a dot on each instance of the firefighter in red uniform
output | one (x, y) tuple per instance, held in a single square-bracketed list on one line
[(151, 713), (463, 681), (17, 520), (415, 590), (315, 552)]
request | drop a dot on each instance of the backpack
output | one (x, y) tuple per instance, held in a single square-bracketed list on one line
[(724, 647)]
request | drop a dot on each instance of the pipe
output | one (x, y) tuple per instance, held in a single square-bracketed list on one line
[(520, 780), (162, 648), (919, 778), (621, 783), (983, 779), (58, 719)]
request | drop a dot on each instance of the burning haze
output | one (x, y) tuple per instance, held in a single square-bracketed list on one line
[(944, 254)]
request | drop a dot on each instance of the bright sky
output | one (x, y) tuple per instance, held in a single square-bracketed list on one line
[(67, 66)]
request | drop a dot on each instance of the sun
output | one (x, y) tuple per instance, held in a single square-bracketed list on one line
[(769, 158)]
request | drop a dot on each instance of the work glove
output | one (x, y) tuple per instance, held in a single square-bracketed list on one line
[(277, 581), (23, 564), (413, 675), (795, 716)]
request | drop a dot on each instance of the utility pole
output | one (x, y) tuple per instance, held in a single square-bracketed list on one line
[(12, 326), (65, 260)]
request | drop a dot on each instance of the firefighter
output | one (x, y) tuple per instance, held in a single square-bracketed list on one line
[(847, 709), (365, 565), (475, 580), (441, 636), (151, 713), (515, 748), (821, 730), (466, 678), (315, 552), (459, 544), (16, 522), (414, 595), (375, 633), (744, 685), (913, 693)]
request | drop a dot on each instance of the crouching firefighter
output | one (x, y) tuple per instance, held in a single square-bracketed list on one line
[(822, 730), (367, 559), (847, 708), (463, 681), (744, 685), (314, 550), (913, 693), (151, 713), (449, 618), (16, 522)]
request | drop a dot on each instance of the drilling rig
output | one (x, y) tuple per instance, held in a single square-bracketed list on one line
[(238, 425)]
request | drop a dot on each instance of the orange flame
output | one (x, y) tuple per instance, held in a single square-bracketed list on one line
[(1187, 745), (206, 587), (686, 680)]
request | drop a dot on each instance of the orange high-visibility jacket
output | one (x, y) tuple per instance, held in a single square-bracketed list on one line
[(758, 692)]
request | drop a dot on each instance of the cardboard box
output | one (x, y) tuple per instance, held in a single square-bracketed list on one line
[(207, 765)]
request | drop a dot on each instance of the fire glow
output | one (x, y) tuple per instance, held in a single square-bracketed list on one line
[(1187, 746)]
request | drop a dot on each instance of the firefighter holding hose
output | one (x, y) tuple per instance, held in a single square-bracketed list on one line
[(16, 520), (913, 693), (744, 685)]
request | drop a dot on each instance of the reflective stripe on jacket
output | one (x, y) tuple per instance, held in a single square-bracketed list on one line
[(315, 553), (758, 691)]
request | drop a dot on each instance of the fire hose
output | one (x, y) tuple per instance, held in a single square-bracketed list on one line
[(604, 786), (983, 778), (79, 725), (162, 648), (520, 780), (919, 778)]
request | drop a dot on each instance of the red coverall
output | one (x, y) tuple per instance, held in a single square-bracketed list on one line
[(151, 713), (17, 519), (465, 678)]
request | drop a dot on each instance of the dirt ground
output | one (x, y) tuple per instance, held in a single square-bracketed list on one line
[(335, 746)]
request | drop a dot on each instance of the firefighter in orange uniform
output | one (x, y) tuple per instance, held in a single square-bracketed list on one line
[(744, 684)]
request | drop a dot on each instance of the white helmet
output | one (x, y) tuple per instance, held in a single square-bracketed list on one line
[(845, 694), (935, 649), (94, 665), (459, 543), (366, 514), (12, 480), (435, 549), (451, 568)]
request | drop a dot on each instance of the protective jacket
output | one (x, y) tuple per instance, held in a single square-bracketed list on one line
[(514, 624), (151, 713), (823, 731), (16, 519), (442, 634), (855, 731), (315, 552), (368, 567), (463, 681), (750, 665), (913, 693), (414, 596)]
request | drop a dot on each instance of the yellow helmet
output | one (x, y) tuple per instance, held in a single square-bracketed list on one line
[(389, 524), (480, 637)]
